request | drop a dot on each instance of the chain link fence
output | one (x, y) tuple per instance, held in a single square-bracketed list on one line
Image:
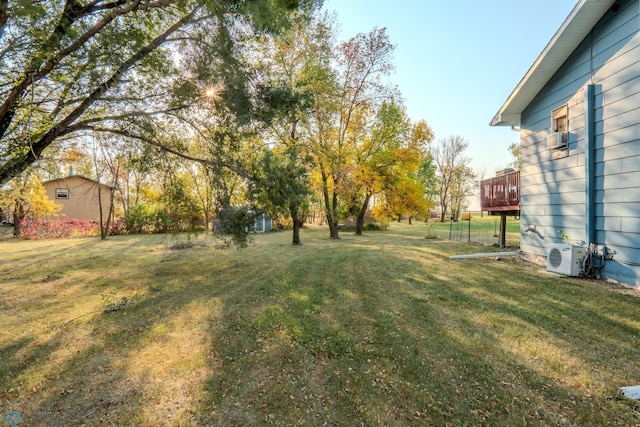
[(484, 230)]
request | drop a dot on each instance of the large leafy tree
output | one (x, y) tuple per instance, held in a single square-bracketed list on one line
[(406, 199), (427, 177), (402, 185), (283, 186), (407, 196), (340, 116), (287, 69), (111, 66), (27, 197), (376, 156)]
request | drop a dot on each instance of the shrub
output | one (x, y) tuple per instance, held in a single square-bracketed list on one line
[(347, 227), (384, 222), (117, 227), (431, 233), (372, 226), (162, 222), (236, 223), (137, 218), (55, 229), (465, 217)]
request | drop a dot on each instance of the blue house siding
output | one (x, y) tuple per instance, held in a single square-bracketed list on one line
[(554, 193)]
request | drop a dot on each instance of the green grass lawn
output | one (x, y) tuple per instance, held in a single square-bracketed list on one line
[(381, 329), (6, 232)]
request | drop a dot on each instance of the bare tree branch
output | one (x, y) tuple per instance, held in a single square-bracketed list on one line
[(163, 147)]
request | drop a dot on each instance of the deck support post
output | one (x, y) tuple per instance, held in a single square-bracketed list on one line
[(503, 230)]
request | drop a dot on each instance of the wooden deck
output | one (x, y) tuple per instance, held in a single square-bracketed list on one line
[(501, 195)]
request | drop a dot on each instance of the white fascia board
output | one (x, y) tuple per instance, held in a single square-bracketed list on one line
[(584, 16), (506, 120)]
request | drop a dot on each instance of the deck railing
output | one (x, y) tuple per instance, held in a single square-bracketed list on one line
[(501, 193)]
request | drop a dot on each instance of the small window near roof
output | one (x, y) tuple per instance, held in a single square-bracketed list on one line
[(62, 193), (559, 119)]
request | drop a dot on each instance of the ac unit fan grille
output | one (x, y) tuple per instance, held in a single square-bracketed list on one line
[(555, 257)]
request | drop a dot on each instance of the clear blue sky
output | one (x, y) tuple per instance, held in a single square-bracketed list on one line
[(457, 62)]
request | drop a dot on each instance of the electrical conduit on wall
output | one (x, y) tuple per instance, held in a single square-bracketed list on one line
[(590, 214)]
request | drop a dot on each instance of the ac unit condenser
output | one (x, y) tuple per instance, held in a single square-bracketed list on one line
[(566, 259)]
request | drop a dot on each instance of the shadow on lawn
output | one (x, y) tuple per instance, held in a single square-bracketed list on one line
[(368, 330), (84, 369), (328, 347)]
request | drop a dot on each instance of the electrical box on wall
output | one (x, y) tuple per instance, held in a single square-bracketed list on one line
[(563, 258)]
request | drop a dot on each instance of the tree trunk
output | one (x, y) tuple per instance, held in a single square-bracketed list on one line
[(361, 214), (18, 216), (103, 232), (410, 217), (296, 232), (443, 213), (455, 214), (297, 223), (334, 216), (110, 215), (331, 213)]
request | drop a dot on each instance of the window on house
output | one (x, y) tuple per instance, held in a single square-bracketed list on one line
[(62, 193), (559, 120)]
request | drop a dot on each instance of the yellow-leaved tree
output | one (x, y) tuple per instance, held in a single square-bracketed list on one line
[(28, 198)]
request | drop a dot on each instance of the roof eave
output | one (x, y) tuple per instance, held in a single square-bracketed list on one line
[(584, 16), (78, 176), (506, 120)]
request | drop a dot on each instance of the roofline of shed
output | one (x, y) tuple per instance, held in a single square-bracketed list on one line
[(79, 176), (584, 16)]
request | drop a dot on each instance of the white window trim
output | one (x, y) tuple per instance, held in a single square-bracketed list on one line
[(64, 190), (562, 111)]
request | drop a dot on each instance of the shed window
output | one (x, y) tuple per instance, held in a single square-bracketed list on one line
[(62, 193), (559, 119)]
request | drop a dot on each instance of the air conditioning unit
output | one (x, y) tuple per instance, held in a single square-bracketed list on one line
[(565, 259), (557, 140)]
